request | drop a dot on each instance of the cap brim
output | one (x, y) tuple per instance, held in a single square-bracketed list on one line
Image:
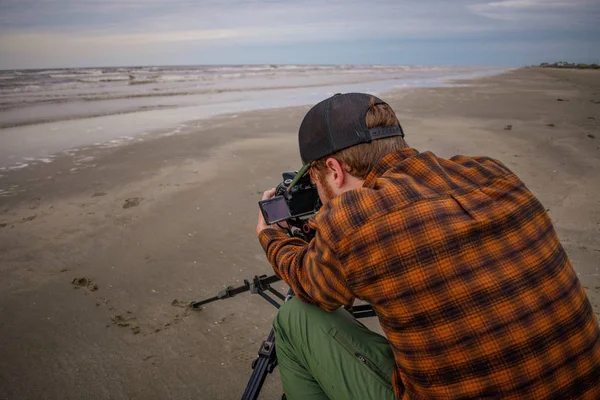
[(299, 176)]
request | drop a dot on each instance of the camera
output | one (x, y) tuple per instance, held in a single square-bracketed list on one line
[(293, 205)]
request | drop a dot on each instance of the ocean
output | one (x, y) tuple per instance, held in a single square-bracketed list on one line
[(45, 112)]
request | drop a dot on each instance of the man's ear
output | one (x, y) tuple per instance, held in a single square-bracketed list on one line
[(337, 172)]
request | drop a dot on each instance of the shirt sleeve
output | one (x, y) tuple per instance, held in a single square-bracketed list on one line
[(310, 269)]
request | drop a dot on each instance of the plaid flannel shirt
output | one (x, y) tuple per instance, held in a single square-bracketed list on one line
[(467, 276)]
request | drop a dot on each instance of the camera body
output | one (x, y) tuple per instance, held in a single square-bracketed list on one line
[(303, 199), (294, 206)]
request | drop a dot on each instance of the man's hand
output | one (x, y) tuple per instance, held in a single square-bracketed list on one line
[(262, 224)]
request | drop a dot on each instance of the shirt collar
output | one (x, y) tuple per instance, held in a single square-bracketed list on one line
[(387, 162)]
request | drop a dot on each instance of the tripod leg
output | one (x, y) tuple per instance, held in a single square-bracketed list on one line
[(261, 367), (267, 358)]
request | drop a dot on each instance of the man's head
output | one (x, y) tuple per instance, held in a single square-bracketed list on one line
[(344, 137)]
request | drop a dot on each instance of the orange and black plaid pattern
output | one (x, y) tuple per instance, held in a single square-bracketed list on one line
[(463, 267)]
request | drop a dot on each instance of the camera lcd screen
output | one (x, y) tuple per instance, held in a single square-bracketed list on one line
[(275, 209)]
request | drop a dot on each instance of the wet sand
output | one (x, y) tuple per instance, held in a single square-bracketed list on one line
[(100, 249)]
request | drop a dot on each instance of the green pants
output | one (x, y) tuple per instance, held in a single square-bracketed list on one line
[(325, 355)]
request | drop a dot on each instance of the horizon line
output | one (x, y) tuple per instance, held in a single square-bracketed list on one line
[(271, 64)]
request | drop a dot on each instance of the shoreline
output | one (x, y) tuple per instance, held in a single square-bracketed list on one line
[(73, 123), (157, 223)]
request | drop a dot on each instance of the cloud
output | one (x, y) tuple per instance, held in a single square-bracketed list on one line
[(524, 4), (330, 19), (548, 11), (93, 24), (102, 31)]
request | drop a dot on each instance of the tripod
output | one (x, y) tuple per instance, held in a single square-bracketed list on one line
[(267, 358)]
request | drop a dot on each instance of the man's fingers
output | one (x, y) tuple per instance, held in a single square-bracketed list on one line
[(262, 224), (268, 194)]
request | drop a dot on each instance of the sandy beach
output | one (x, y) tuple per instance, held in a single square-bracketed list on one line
[(101, 249)]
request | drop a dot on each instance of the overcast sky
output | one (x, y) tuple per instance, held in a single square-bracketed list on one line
[(80, 33)]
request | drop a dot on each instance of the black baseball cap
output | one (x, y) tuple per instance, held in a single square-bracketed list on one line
[(335, 124)]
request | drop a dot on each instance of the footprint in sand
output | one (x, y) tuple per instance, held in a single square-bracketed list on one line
[(84, 283), (127, 321), (132, 202)]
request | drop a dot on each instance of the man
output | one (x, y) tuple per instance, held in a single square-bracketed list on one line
[(461, 263)]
